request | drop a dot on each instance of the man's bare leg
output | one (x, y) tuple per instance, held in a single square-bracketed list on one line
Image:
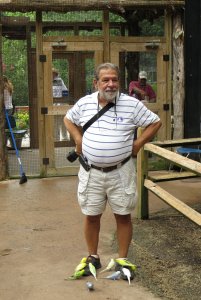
[(91, 231), (124, 233)]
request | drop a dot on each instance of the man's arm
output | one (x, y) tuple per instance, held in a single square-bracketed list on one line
[(133, 89), (145, 137), (76, 133), (151, 94), (138, 91)]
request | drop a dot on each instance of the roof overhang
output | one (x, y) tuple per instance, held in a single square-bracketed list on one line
[(73, 5)]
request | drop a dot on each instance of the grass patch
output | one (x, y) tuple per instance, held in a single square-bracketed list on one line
[(157, 164)]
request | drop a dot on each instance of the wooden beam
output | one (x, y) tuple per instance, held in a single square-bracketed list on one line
[(179, 142), (173, 201), (142, 172), (58, 110), (170, 176), (40, 91), (106, 34), (179, 160), (77, 5)]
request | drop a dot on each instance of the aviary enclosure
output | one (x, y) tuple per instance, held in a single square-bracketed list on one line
[(74, 37)]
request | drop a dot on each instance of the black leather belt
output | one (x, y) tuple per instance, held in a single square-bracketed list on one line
[(111, 168)]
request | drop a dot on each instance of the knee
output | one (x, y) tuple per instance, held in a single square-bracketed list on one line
[(123, 219), (93, 219)]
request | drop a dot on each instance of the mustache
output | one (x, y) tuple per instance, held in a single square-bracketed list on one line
[(111, 91)]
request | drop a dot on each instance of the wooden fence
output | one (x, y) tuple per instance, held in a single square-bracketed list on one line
[(147, 182)]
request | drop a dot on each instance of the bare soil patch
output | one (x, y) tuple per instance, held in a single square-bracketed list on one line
[(167, 249)]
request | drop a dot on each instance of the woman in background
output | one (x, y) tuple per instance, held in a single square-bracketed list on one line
[(8, 95)]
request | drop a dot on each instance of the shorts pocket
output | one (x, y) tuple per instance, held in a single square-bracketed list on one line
[(83, 176), (129, 188)]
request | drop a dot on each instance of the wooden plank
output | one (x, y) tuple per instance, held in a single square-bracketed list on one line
[(98, 57), (179, 160), (162, 69), (173, 201), (168, 50), (40, 90), (48, 102), (179, 142), (137, 39), (106, 34), (58, 110), (142, 171), (70, 5), (170, 176), (49, 41)]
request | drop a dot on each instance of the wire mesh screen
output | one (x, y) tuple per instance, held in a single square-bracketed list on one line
[(29, 159), (75, 69)]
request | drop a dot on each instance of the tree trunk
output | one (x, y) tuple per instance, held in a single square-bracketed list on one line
[(178, 78), (3, 150)]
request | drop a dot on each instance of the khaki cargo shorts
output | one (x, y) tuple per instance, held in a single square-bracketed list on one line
[(117, 188)]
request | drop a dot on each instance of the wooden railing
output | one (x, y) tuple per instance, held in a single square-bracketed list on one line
[(147, 182)]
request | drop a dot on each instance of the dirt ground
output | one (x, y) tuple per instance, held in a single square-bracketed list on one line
[(42, 242)]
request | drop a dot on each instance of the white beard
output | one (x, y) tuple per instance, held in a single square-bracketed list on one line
[(109, 96)]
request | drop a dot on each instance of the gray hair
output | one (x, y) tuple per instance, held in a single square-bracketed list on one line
[(106, 66)]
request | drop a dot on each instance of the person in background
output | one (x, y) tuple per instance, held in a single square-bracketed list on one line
[(59, 90), (108, 149), (8, 95), (141, 89)]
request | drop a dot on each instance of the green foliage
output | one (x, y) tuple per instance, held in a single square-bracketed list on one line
[(154, 86), (30, 15), (15, 59), (22, 120), (152, 29), (74, 16), (157, 164)]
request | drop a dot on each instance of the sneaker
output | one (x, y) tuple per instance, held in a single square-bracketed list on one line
[(124, 263), (94, 261)]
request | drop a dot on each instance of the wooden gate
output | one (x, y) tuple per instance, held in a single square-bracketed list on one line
[(76, 54), (147, 49)]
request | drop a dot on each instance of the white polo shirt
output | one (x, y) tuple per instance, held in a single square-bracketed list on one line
[(109, 140)]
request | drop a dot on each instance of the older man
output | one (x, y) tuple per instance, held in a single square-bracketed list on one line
[(141, 89), (108, 148)]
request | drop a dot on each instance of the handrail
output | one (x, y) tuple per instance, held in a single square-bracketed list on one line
[(182, 161), (144, 184)]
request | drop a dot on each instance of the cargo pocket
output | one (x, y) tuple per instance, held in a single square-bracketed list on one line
[(83, 176), (129, 188)]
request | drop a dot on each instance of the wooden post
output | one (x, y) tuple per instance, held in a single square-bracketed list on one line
[(3, 151), (106, 35), (174, 202), (40, 92), (178, 77), (142, 171)]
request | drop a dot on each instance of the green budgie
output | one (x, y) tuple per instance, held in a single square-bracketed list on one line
[(77, 275), (125, 263), (80, 267), (109, 266), (92, 269)]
